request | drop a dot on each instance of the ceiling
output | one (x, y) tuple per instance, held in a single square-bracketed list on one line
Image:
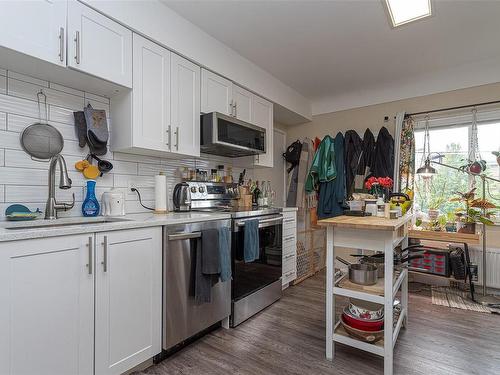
[(344, 54)]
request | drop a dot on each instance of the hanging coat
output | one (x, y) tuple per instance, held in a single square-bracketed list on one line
[(383, 163), (332, 193), (353, 147), (323, 165)]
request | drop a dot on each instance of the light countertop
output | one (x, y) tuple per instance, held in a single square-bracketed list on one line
[(79, 225), (366, 222)]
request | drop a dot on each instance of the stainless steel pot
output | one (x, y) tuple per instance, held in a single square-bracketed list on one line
[(362, 274)]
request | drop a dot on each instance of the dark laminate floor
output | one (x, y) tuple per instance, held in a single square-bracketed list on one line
[(289, 338)]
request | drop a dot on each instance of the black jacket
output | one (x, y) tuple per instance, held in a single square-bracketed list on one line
[(383, 163), (368, 153), (353, 146)]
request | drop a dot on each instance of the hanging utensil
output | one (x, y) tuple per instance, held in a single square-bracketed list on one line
[(103, 165), (40, 140)]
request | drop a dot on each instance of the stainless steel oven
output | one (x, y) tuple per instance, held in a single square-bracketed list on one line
[(256, 284)]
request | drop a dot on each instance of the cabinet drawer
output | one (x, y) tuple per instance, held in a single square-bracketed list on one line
[(289, 263), (289, 276), (289, 250), (289, 231)]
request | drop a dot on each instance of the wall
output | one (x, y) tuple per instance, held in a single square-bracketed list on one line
[(373, 116), (160, 23), (24, 181)]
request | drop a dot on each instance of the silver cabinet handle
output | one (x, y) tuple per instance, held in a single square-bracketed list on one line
[(77, 45), (289, 256), (289, 238), (177, 138), (235, 106), (184, 236), (289, 273), (105, 254), (61, 44), (89, 264), (168, 135), (288, 220), (231, 108)]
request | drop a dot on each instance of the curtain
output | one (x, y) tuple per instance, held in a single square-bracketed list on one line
[(406, 156)]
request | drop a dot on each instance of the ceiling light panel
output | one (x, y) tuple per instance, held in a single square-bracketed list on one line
[(405, 11)]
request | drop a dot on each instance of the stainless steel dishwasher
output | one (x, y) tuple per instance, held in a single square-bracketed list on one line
[(182, 317)]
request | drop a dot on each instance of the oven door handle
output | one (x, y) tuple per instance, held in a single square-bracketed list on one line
[(262, 223)]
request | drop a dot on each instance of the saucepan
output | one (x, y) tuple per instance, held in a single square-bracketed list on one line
[(362, 274)]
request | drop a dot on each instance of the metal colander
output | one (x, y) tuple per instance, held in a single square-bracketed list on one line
[(41, 140)]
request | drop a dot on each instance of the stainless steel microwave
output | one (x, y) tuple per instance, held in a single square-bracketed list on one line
[(228, 136)]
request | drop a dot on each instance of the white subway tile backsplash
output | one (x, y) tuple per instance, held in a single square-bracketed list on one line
[(23, 180), (23, 77), (3, 85), (30, 194), (19, 106), (97, 98), (3, 121), (29, 91), (17, 123), (61, 114), (65, 89)]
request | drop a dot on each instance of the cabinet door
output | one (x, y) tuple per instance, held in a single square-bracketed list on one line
[(128, 298), (47, 306), (151, 95), (216, 93), (185, 99), (262, 115), (242, 103), (35, 28), (99, 46)]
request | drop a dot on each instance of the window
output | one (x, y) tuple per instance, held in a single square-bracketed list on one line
[(452, 138)]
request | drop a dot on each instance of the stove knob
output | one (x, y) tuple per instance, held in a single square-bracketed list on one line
[(193, 189), (201, 189)]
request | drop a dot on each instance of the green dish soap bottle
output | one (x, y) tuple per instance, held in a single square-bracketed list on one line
[(90, 206)]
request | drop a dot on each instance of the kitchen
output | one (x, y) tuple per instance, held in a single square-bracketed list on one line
[(171, 139)]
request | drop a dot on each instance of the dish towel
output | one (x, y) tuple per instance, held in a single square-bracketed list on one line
[(207, 267), (251, 241), (225, 254)]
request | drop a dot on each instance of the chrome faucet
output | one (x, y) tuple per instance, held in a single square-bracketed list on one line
[(52, 205)]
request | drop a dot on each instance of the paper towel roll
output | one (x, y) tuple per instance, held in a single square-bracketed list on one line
[(161, 193)]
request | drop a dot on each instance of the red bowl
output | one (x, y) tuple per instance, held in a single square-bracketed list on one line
[(363, 325)]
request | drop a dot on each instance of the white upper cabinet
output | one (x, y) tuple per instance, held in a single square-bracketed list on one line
[(185, 101), (151, 95), (98, 46), (262, 115), (40, 33), (128, 299), (216, 93), (242, 103), (47, 306)]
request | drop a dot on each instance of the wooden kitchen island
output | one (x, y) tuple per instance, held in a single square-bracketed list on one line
[(375, 234)]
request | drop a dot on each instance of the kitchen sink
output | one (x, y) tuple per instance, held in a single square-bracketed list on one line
[(65, 223)]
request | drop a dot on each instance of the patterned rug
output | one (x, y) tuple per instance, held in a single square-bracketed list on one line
[(446, 296)]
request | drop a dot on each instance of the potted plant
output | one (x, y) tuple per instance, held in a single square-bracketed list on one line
[(434, 206), (450, 222), (473, 212)]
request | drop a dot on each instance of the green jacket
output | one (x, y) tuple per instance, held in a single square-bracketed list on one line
[(323, 166)]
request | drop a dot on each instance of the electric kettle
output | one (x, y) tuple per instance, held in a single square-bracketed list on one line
[(182, 197), (113, 203)]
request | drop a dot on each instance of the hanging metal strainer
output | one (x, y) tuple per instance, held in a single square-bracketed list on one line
[(41, 140)]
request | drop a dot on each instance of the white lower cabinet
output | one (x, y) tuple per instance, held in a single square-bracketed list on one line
[(128, 299), (289, 261), (48, 304)]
